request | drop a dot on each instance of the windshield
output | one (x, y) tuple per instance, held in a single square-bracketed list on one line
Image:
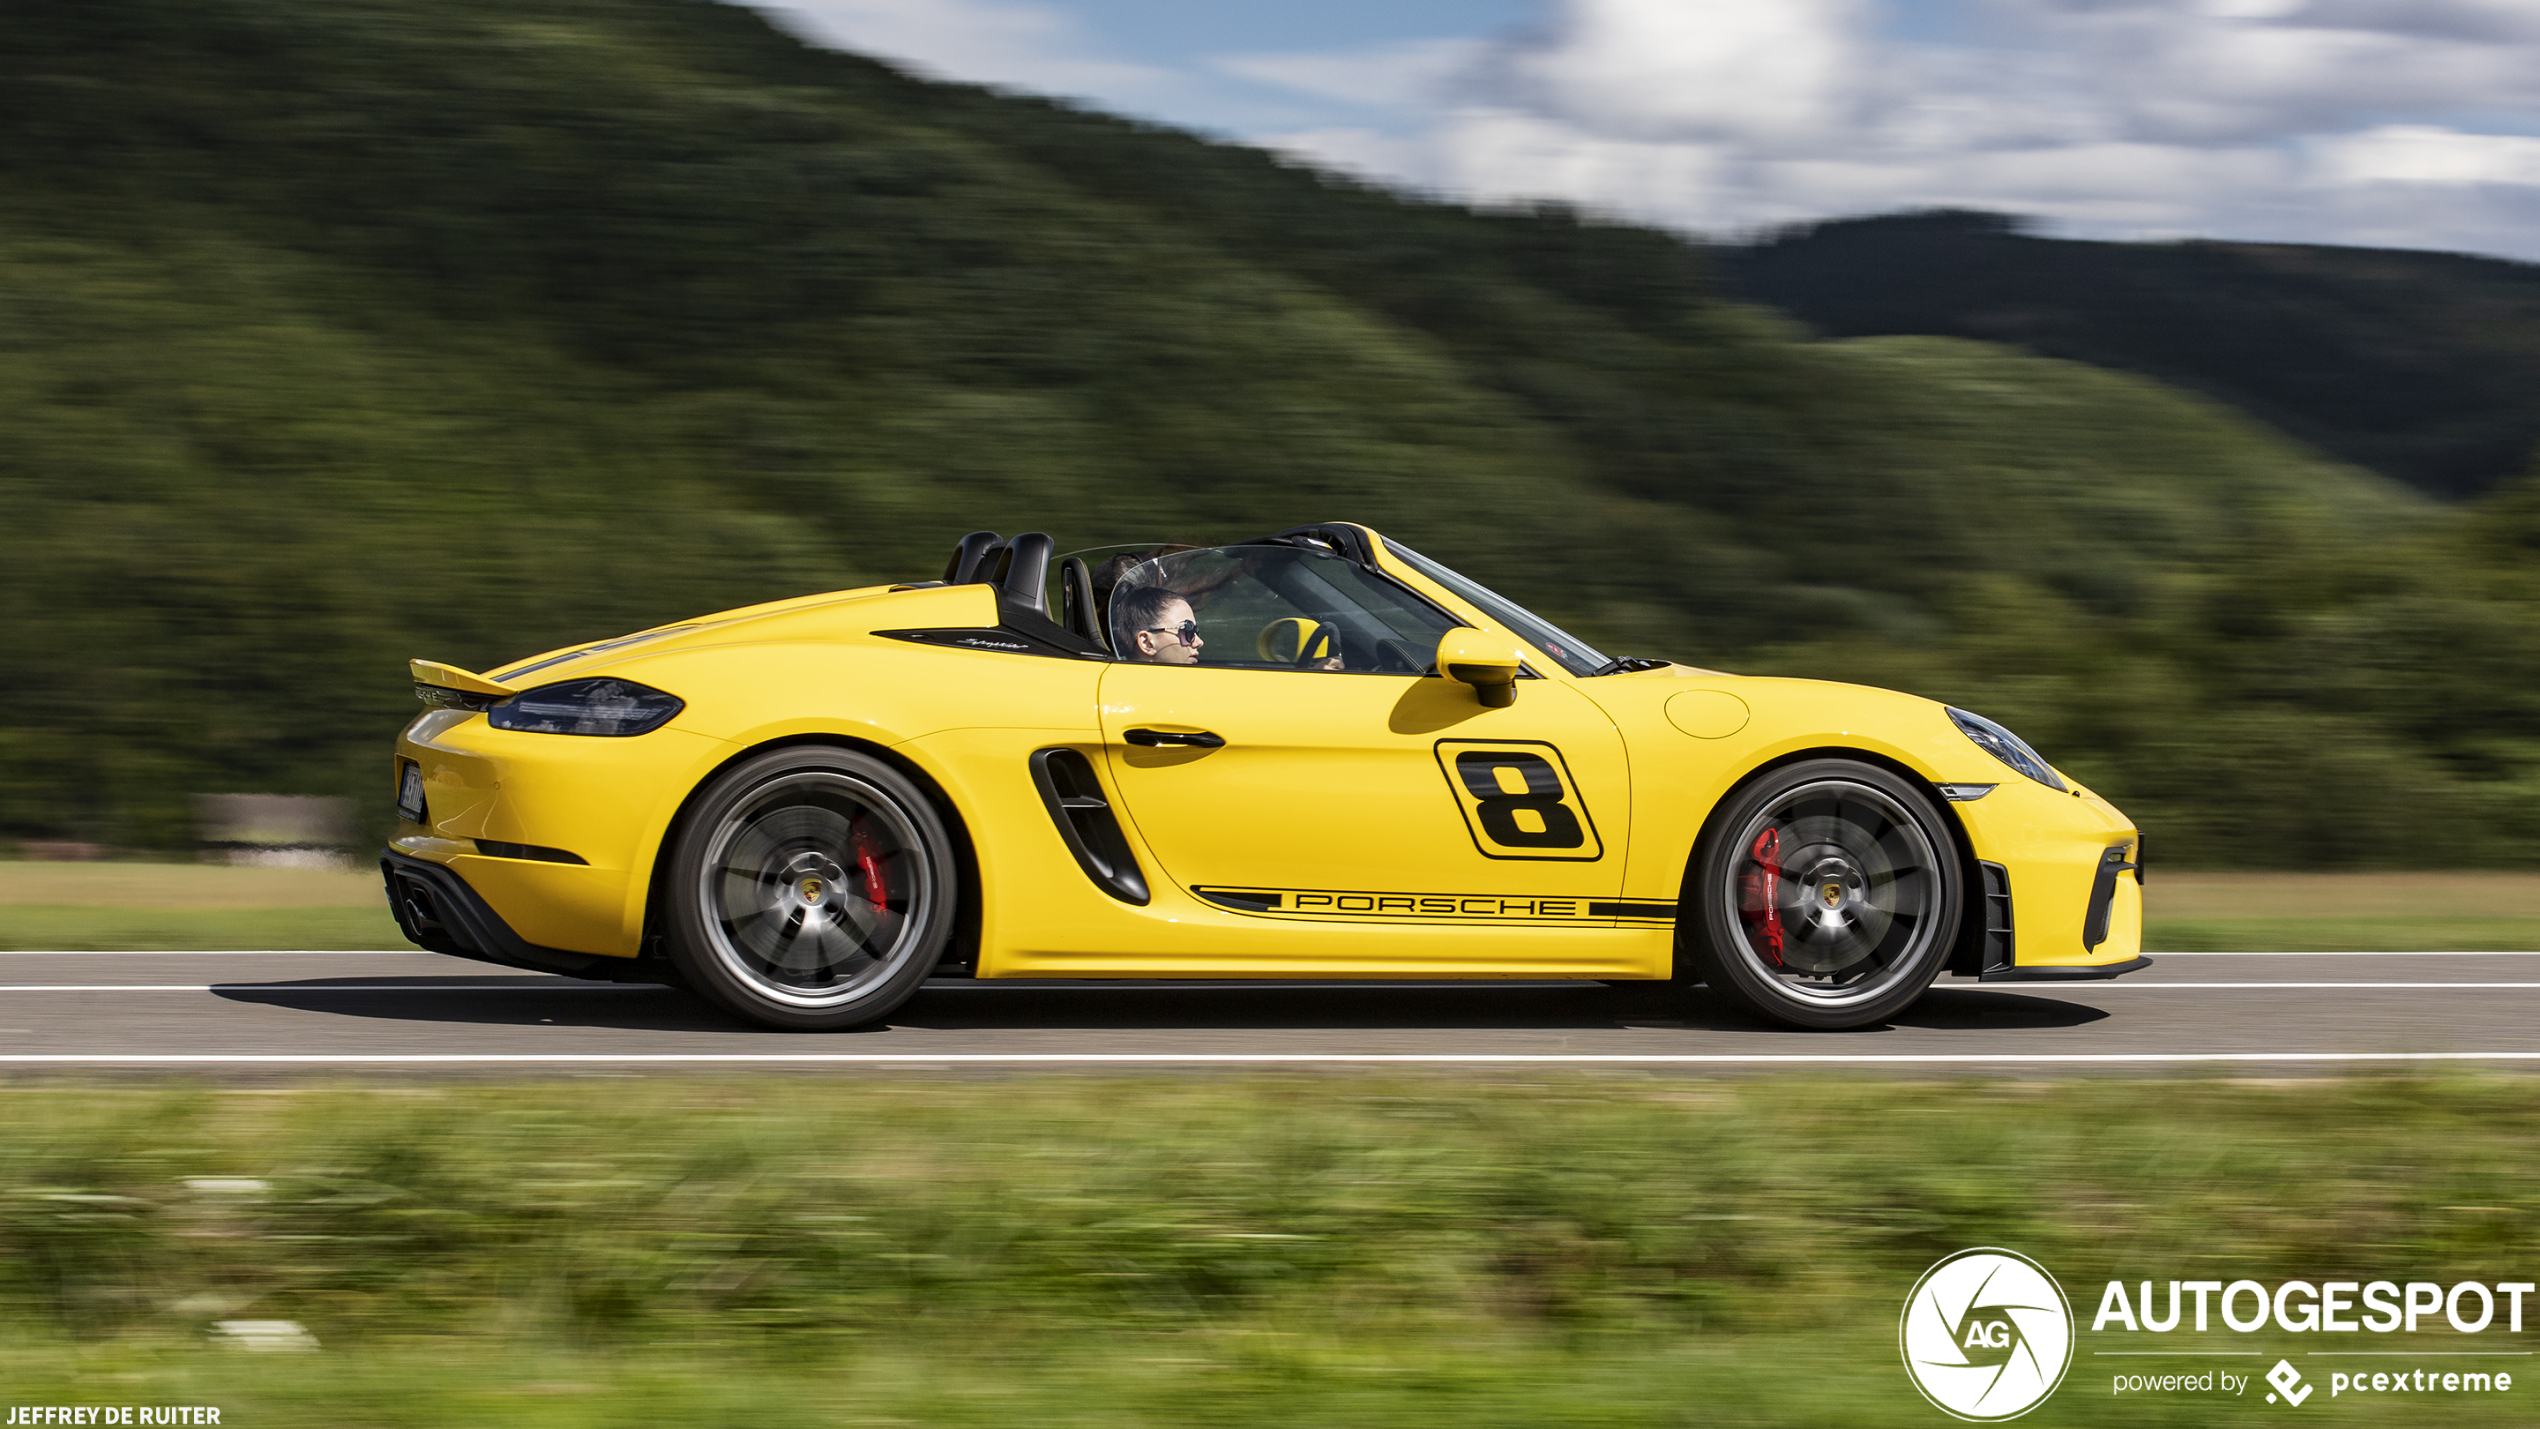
[(1567, 650)]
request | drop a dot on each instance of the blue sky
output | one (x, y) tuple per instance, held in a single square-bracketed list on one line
[(1188, 38), (2411, 123)]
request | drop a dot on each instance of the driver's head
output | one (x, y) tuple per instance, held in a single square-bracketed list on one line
[(1156, 626)]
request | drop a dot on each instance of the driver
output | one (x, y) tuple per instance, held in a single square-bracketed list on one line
[(1157, 626)]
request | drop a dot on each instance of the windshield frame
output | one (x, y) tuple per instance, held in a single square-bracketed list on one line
[(1556, 644)]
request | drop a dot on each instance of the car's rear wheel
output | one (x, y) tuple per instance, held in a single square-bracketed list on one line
[(1826, 895), (811, 889)]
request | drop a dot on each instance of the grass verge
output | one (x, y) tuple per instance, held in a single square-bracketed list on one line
[(2341, 912), (1224, 1250), (2341, 935), (152, 906), (146, 906), (78, 929)]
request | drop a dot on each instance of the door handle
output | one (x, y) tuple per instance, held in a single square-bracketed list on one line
[(1198, 739)]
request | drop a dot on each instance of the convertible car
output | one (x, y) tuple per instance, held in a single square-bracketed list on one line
[(1318, 754)]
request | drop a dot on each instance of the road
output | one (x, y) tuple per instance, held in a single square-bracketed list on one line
[(2263, 1013)]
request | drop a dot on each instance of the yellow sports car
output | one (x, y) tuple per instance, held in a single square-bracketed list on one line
[(1317, 754)]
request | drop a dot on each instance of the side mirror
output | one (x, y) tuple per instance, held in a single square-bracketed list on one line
[(1483, 661)]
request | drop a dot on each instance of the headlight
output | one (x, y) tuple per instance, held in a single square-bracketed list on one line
[(606, 707), (1993, 739)]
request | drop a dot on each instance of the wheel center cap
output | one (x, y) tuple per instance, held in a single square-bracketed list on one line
[(809, 880), (1830, 893)]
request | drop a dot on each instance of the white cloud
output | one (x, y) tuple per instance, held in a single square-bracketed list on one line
[(2255, 9), (2422, 154), (1774, 70), (2194, 76), (2403, 122), (2456, 19), (2321, 120)]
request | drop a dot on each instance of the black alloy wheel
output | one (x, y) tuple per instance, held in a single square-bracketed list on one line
[(1825, 895), (812, 889)]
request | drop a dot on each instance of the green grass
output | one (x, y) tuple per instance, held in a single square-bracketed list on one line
[(2341, 912), (73, 928), (145, 906), (1163, 1381), (1222, 1250), (2342, 935)]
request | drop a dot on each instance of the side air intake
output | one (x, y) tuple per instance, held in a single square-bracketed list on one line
[(1086, 823)]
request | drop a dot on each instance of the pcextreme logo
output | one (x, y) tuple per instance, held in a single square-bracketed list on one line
[(1986, 1335)]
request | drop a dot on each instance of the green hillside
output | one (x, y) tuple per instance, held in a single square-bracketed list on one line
[(332, 334), (2421, 366)]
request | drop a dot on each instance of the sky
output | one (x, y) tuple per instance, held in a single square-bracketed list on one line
[(2400, 123)]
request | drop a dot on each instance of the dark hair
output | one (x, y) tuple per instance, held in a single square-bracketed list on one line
[(1137, 608), (1106, 577)]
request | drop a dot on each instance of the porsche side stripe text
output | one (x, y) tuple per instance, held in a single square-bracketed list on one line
[(1460, 907)]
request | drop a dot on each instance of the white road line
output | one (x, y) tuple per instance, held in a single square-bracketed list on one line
[(948, 1059), (2114, 985), (426, 953), (524, 985), (947, 985), (2080, 985)]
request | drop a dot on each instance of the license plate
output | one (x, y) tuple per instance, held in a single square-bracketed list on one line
[(410, 791)]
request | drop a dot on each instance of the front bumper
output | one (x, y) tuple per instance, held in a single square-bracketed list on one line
[(2057, 893), (2090, 972), (438, 911)]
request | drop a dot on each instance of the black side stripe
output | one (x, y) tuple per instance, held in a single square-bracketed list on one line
[(1663, 911)]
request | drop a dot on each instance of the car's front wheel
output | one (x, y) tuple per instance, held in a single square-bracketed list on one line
[(811, 889), (1827, 895)]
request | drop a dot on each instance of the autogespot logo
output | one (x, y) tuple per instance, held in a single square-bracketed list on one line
[(1987, 1334)]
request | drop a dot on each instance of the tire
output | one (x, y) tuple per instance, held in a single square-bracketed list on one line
[(1853, 867), (811, 889)]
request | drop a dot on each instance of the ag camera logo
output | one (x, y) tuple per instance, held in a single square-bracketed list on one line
[(1987, 1334)]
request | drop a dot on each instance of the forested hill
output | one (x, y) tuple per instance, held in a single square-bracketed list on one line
[(2424, 367), (334, 332)]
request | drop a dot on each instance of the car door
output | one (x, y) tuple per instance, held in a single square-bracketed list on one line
[(1287, 788)]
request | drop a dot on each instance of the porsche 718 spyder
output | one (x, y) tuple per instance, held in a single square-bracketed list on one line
[(1318, 754)]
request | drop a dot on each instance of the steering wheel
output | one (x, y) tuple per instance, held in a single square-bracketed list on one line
[(1299, 641)]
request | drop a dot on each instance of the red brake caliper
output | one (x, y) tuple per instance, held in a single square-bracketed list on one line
[(1755, 889), (874, 891)]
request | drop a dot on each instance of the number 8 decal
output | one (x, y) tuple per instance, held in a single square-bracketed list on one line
[(1519, 801), (1486, 778)]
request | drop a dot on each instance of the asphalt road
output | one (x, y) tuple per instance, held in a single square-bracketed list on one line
[(2290, 1012)]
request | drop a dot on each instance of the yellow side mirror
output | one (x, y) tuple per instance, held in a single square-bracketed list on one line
[(1486, 662)]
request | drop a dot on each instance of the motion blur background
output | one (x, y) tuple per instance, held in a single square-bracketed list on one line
[(337, 333)]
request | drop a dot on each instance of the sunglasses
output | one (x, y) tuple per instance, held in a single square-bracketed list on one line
[(1187, 632)]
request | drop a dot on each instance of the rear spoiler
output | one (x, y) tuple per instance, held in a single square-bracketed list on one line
[(449, 687)]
